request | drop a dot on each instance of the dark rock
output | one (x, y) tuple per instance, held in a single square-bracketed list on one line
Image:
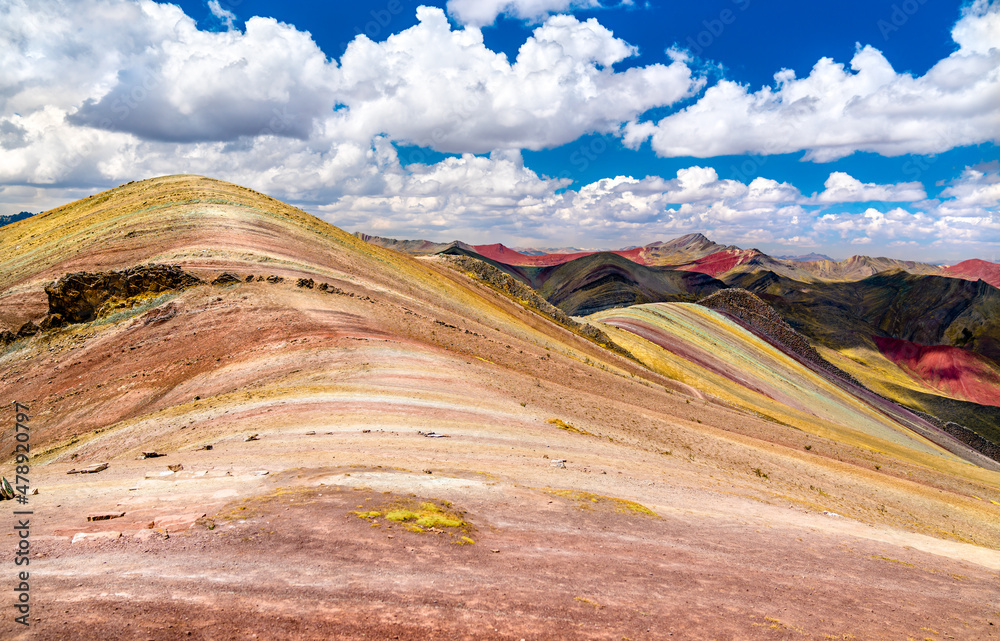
[(227, 278), (275, 279), (249, 278), (323, 287), (78, 297), (160, 314), (305, 282), (28, 329), (52, 321), (7, 337)]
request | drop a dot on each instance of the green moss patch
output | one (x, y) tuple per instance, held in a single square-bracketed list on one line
[(421, 515), (590, 501), (563, 425)]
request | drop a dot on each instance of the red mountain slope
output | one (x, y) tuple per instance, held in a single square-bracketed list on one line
[(503, 254), (954, 371), (976, 269), (721, 262)]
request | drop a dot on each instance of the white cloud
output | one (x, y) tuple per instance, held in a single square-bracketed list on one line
[(834, 112), (479, 13), (435, 87), (224, 15), (974, 191), (158, 93), (844, 188)]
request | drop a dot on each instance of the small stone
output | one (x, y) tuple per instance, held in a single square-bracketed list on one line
[(81, 537)]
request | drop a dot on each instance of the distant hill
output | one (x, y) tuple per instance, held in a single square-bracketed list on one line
[(975, 269), (808, 258), (510, 256), (415, 247), (931, 310), (539, 251), (698, 253), (13, 218)]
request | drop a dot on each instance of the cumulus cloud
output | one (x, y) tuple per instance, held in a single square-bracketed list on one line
[(834, 111), (70, 107), (441, 88), (480, 198), (974, 190), (182, 84), (844, 188), (479, 13)]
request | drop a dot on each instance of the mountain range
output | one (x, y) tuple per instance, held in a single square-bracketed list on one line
[(243, 420), (845, 306)]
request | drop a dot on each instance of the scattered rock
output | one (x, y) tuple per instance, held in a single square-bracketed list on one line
[(82, 537), (559, 462), (178, 522), (175, 468), (146, 455), (34, 491), (92, 469), (227, 278), (252, 437), (204, 447), (28, 329), (160, 314), (260, 473), (311, 433), (432, 434), (105, 516)]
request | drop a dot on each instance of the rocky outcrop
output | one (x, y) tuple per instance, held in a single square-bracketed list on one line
[(761, 317), (518, 291), (227, 278), (78, 297), (965, 435)]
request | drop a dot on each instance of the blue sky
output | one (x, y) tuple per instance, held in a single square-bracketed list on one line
[(842, 128)]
